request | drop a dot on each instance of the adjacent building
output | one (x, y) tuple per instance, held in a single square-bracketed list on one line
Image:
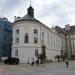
[(5, 37), (70, 39)]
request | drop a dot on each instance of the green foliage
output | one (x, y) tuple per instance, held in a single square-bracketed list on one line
[(58, 57)]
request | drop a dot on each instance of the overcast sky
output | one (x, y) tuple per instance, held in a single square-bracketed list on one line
[(50, 12)]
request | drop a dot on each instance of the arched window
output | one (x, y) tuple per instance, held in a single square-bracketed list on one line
[(17, 31), (36, 52), (16, 52), (26, 39), (42, 34)]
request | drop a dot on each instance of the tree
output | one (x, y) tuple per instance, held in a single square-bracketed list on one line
[(58, 57), (42, 56)]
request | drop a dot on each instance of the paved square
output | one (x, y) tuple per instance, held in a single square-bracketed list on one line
[(47, 69)]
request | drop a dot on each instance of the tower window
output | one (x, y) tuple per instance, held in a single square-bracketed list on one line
[(35, 40), (35, 31), (26, 40)]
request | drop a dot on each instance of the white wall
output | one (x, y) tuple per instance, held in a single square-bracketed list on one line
[(26, 52), (53, 43)]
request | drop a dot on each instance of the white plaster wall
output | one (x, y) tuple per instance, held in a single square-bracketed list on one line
[(52, 53), (26, 28), (25, 52), (28, 50)]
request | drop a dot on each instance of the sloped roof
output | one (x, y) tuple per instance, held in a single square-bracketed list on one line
[(28, 18), (59, 29), (71, 31)]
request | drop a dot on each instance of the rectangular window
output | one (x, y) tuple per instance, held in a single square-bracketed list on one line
[(17, 40), (36, 52), (16, 52), (26, 38), (35, 31), (48, 39), (17, 31), (42, 42), (35, 40), (43, 34)]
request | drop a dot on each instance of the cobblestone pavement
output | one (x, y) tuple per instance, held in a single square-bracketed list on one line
[(46, 69)]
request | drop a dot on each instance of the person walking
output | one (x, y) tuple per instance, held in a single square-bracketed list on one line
[(67, 63), (37, 62), (32, 62)]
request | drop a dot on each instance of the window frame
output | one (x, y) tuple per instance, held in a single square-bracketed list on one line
[(26, 38), (17, 31), (17, 40), (36, 52), (35, 40), (35, 31), (16, 52)]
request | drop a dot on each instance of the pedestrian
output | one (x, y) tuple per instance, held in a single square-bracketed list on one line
[(32, 62), (37, 62), (67, 63), (51, 60)]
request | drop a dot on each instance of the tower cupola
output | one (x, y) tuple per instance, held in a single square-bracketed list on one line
[(30, 11)]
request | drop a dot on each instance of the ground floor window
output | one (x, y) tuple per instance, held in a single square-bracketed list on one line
[(36, 52), (16, 52), (35, 40)]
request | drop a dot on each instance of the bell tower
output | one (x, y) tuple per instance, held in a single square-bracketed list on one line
[(30, 11)]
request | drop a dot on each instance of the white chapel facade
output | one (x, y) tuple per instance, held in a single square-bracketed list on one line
[(29, 35)]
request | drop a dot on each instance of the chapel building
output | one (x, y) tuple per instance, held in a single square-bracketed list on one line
[(30, 36)]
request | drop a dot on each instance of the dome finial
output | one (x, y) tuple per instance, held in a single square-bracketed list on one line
[(30, 3)]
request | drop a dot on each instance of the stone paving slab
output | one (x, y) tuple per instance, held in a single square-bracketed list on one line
[(46, 69)]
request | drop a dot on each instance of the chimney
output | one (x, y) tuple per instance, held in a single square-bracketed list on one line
[(67, 27), (16, 18)]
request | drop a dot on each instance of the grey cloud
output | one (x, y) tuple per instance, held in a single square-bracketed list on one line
[(62, 10), (10, 6)]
